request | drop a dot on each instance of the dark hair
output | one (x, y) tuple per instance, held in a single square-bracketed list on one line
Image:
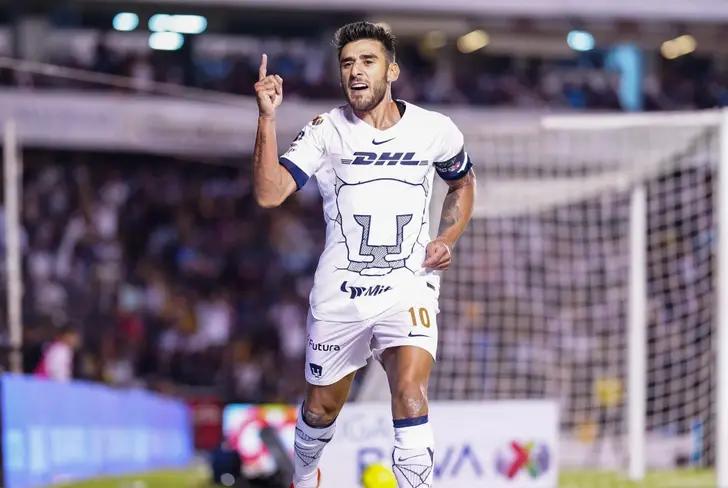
[(366, 30), (66, 330)]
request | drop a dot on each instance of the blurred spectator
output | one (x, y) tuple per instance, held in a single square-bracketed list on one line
[(309, 70), (57, 361), (173, 272)]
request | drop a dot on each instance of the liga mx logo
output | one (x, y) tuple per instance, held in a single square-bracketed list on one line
[(531, 457), (381, 221)]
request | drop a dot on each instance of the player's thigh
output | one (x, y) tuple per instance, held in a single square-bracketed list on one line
[(407, 367), (408, 373), (414, 324), (334, 350)]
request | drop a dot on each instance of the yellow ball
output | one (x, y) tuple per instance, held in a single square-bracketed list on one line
[(378, 475)]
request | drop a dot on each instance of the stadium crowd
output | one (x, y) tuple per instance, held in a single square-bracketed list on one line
[(174, 277), (585, 82)]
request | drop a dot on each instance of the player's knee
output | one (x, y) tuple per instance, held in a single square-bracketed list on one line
[(319, 415), (410, 398)]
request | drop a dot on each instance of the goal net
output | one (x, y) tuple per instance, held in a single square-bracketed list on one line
[(537, 302)]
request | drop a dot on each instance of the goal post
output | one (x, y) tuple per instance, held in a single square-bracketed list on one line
[(13, 270), (721, 307), (637, 325), (590, 275)]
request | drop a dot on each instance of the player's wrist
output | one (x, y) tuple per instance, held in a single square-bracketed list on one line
[(267, 117)]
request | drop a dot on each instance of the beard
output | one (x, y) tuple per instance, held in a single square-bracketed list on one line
[(364, 103)]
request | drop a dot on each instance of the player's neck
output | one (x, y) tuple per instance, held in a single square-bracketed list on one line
[(383, 116)]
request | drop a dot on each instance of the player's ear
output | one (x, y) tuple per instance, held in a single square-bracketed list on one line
[(392, 72)]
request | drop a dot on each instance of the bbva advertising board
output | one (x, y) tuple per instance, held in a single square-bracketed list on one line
[(478, 444), (498, 444)]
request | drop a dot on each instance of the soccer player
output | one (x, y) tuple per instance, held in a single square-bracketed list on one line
[(376, 287)]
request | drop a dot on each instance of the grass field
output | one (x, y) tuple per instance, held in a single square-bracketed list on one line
[(570, 479), (193, 478), (658, 479)]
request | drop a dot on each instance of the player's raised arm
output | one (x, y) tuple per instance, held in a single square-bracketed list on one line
[(272, 183)]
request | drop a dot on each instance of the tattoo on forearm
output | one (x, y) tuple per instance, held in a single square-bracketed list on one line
[(259, 146), (266, 176), (457, 207), (450, 210)]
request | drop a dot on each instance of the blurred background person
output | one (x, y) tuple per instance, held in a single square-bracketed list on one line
[(57, 361)]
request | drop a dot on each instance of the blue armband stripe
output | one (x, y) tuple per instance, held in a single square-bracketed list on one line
[(455, 167)]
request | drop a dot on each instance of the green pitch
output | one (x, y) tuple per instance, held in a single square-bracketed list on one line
[(193, 478), (197, 478), (658, 479)]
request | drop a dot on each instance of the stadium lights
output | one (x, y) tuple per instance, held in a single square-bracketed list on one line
[(473, 41), (580, 40), (166, 41), (680, 46), (160, 23), (125, 21), (182, 24), (434, 40), (189, 24)]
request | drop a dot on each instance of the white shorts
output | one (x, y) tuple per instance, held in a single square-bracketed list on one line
[(336, 349)]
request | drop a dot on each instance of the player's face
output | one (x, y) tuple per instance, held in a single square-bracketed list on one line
[(364, 68)]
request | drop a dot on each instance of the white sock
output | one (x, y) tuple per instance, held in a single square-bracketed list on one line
[(309, 443), (413, 456)]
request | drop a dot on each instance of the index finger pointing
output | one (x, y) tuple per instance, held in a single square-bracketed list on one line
[(263, 70)]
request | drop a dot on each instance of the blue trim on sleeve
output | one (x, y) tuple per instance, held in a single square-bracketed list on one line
[(298, 174), (399, 423), (458, 175), (448, 162)]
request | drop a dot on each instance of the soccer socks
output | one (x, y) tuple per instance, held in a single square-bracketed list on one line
[(412, 459), (309, 443)]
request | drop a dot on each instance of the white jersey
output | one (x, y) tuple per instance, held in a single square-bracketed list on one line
[(376, 187), (57, 362)]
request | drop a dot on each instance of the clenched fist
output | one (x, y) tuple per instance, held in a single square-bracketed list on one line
[(268, 90), (438, 255)]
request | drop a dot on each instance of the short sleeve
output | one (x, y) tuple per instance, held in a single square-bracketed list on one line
[(306, 154), (452, 161)]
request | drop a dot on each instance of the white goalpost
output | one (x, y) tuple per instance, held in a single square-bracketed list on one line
[(595, 273), (637, 324), (721, 308), (12, 180)]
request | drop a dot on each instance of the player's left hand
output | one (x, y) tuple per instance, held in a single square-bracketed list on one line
[(438, 255)]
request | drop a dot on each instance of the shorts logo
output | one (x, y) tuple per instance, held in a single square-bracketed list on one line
[(358, 291), (417, 335), (316, 370), (317, 346)]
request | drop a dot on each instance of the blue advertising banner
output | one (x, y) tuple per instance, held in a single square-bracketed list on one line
[(54, 432)]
